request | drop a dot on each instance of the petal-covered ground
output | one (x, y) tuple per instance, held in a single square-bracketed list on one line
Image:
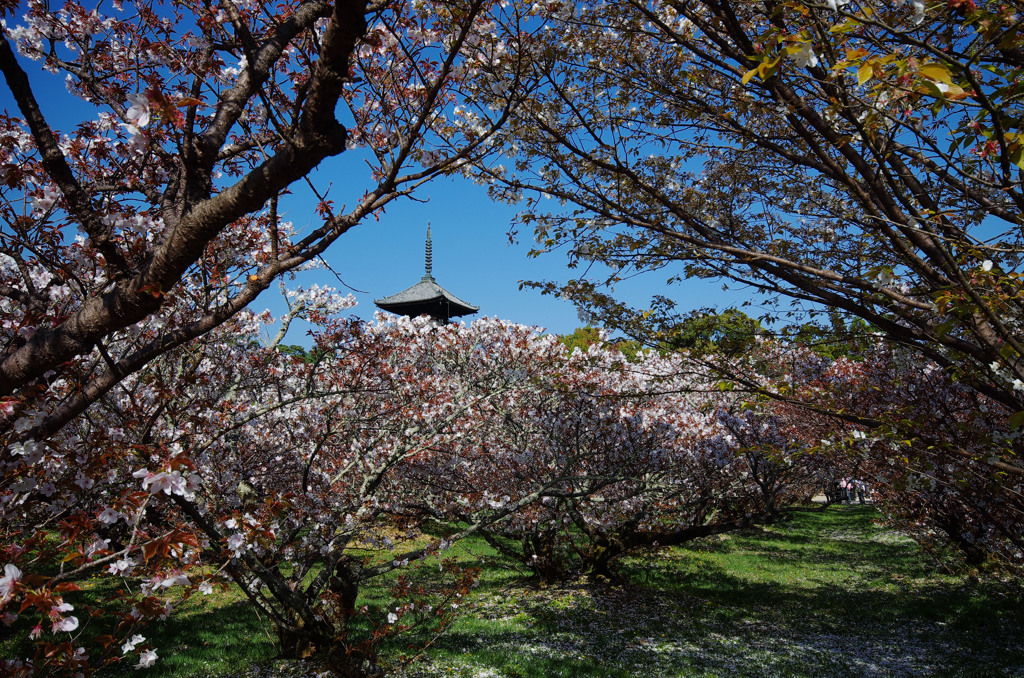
[(824, 595), (828, 593)]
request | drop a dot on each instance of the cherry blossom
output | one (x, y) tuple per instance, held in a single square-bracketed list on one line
[(130, 644), (138, 113), (11, 575), (146, 659)]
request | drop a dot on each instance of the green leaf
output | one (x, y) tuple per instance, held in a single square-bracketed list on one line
[(1017, 420), (1017, 155), (955, 145), (930, 88)]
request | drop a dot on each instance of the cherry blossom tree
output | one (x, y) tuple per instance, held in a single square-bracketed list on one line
[(296, 480), (301, 480), (926, 443), (133, 241), (164, 206), (778, 445), (938, 485), (634, 453), (857, 157)]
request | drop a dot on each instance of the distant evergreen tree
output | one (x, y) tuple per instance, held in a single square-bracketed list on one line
[(728, 332), (584, 337)]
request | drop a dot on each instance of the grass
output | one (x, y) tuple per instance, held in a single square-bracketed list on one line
[(825, 594), (210, 638)]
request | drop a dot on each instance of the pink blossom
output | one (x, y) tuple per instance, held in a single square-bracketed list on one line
[(138, 112), (122, 566), (235, 544), (168, 483), (11, 575)]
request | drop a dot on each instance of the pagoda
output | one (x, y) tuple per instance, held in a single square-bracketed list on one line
[(426, 297)]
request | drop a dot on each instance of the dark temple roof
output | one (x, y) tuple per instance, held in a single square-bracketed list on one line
[(427, 297)]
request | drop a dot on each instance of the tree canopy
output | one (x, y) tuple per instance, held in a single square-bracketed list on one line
[(859, 159), (858, 156), (729, 332), (158, 216)]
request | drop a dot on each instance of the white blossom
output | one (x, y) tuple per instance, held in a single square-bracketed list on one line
[(146, 659), (11, 575), (130, 644), (67, 624), (806, 58)]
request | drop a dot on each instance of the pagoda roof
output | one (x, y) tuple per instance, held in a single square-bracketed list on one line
[(426, 297)]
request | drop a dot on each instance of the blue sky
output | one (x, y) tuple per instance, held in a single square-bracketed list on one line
[(472, 258)]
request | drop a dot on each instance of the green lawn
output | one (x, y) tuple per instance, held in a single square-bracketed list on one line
[(826, 594)]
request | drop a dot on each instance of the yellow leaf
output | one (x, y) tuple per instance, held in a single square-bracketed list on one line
[(845, 26), (955, 93), (864, 73), (936, 72), (930, 88), (748, 75)]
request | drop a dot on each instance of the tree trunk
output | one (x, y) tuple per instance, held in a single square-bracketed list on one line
[(330, 641)]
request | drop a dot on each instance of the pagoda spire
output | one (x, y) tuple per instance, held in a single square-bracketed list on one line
[(429, 275), (427, 296)]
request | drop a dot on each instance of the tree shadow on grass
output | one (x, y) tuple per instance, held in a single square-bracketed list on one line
[(632, 631), (205, 637), (824, 595), (844, 536), (889, 614), (740, 627), (212, 642), (831, 595)]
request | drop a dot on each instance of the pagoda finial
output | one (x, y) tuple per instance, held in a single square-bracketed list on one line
[(426, 296), (429, 257)]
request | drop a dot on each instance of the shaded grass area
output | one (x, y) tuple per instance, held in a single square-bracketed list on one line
[(826, 594), (206, 635), (210, 638)]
